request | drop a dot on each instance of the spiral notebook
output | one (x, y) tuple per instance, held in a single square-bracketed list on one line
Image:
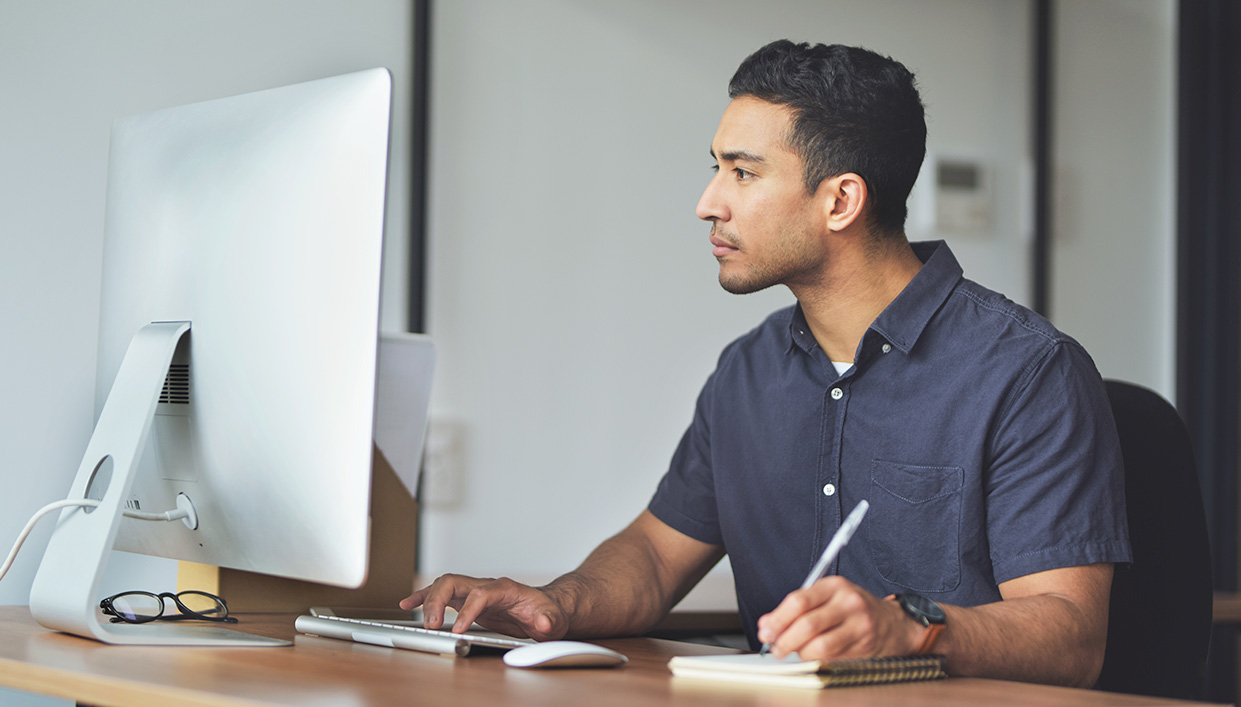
[(794, 672)]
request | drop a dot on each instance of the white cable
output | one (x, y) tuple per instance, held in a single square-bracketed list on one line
[(85, 503), (21, 537), (167, 515)]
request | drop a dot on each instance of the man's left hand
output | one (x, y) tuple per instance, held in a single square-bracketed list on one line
[(835, 618)]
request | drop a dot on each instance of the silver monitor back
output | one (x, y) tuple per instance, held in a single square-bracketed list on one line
[(257, 219)]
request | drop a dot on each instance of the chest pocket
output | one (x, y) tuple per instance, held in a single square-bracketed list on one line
[(916, 526)]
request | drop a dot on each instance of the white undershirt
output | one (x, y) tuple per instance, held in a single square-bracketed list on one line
[(842, 366)]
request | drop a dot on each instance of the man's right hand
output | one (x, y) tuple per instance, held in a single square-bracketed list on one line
[(496, 604), (622, 589)]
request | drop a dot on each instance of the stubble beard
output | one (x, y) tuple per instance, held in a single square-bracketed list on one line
[(790, 259)]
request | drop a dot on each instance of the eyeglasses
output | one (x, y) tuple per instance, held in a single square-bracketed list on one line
[(141, 607)]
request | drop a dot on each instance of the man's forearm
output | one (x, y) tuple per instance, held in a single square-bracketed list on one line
[(631, 580), (605, 600), (1048, 638)]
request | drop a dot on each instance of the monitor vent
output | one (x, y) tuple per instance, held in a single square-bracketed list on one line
[(176, 385)]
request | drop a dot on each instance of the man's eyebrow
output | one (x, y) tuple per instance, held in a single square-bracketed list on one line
[(738, 155)]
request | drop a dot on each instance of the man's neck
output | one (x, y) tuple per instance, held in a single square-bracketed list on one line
[(861, 283)]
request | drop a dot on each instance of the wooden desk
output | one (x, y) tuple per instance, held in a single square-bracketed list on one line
[(321, 671)]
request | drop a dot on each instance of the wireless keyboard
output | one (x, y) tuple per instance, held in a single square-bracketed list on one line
[(401, 635)]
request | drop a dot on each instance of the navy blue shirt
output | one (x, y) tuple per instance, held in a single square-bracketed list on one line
[(981, 436)]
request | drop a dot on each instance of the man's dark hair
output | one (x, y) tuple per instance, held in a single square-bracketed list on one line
[(853, 111)]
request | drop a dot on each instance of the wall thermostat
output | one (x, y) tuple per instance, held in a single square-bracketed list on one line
[(962, 196)]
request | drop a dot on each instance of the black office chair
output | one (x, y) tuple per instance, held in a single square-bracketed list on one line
[(1159, 625)]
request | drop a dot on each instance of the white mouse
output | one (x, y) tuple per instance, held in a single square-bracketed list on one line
[(563, 654)]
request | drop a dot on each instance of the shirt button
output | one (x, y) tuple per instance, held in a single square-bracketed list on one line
[(837, 393), (887, 348), (829, 490)]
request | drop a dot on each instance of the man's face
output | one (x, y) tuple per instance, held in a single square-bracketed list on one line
[(765, 228)]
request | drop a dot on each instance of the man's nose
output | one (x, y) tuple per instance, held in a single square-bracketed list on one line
[(711, 206)]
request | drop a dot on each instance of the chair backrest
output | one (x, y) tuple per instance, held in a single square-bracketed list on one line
[(1159, 624)]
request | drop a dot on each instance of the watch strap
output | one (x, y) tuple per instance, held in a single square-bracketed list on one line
[(930, 629), (929, 634)]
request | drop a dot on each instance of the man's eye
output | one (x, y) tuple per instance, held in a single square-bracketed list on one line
[(742, 174)]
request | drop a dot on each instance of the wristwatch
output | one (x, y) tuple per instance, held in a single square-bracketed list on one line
[(925, 612)]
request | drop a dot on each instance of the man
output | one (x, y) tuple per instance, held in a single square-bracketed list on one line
[(980, 435)]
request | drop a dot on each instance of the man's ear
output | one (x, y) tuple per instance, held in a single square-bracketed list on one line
[(844, 198)]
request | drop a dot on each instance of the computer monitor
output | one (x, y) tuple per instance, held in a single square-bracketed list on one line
[(238, 342)]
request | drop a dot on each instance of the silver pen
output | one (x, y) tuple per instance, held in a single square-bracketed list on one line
[(834, 546)]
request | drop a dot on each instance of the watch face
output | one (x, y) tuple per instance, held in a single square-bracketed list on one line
[(924, 606)]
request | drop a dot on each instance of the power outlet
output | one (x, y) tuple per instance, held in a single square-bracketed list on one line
[(443, 464)]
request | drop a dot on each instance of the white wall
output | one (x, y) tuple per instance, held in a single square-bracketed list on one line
[(1114, 271), (67, 69), (572, 291)]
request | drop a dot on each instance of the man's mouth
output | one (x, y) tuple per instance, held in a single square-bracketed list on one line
[(720, 246)]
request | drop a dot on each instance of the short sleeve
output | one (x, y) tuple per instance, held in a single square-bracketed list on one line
[(685, 498), (1055, 487)]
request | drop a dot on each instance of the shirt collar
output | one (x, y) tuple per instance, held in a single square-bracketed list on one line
[(904, 319), (799, 332)]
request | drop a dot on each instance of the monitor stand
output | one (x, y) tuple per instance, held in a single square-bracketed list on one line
[(65, 595)]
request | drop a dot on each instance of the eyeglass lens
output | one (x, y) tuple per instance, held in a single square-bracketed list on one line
[(143, 606), (137, 606), (201, 603)]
